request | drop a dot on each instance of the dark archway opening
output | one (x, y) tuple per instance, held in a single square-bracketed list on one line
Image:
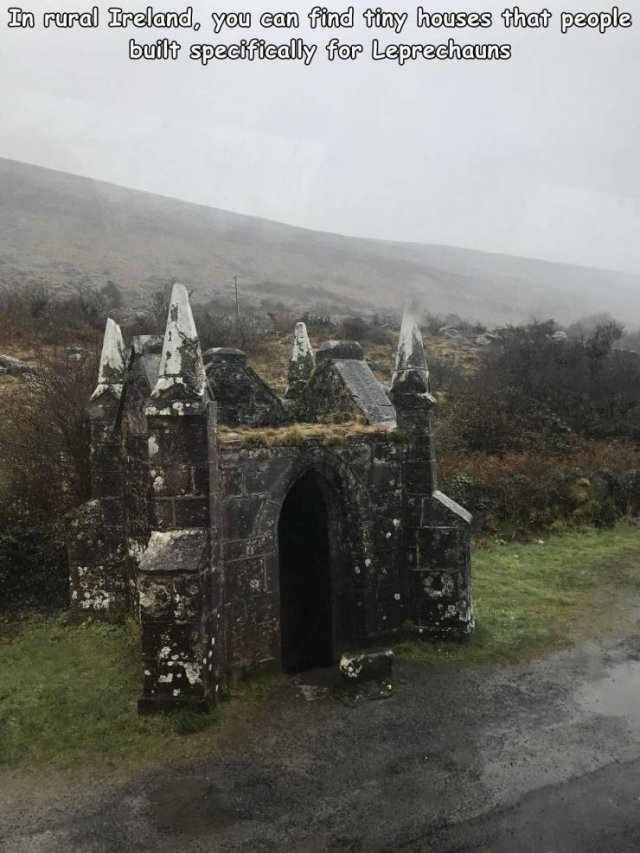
[(305, 578)]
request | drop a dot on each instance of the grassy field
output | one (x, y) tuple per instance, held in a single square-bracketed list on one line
[(68, 700), (68, 692), (530, 598)]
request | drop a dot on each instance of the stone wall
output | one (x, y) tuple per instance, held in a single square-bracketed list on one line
[(242, 397), (361, 481), (184, 522), (99, 564), (175, 571)]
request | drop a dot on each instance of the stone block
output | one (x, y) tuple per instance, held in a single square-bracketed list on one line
[(175, 657), (417, 476), (244, 578), (201, 479), (232, 480), (178, 440), (367, 665), (260, 476), (191, 512), (439, 509), (163, 513), (240, 516), (443, 548), (171, 480)]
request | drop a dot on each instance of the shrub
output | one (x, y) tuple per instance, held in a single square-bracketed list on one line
[(520, 493), (44, 433), (630, 491), (33, 568)]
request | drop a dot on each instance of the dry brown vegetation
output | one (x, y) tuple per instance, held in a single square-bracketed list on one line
[(295, 435), (528, 417)]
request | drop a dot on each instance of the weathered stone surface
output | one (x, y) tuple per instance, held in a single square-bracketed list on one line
[(367, 665), (245, 578), (240, 516), (326, 397), (228, 549), (339, 349), (366, 392), (225, 354), (147, 350), (99, 564), (180, 387), (301, 364), (410, 386), (112, 363), (242, 398), (14, 366), (174, 551), (345, 389)]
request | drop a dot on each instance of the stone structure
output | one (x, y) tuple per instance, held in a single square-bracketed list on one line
[(238, 546)]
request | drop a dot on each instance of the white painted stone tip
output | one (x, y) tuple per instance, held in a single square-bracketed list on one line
[(411, 353), (180, 314), (181, 363), (112, 362), (301, 343)]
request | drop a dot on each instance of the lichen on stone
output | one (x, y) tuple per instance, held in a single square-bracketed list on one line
[(112, 363)]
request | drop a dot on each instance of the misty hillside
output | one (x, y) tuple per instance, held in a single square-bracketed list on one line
[(65, 230)]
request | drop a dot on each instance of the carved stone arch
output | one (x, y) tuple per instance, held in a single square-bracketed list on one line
[(350, 531)]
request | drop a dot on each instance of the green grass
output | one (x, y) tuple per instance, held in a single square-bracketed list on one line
[(533, 597), (68, 700), (68, 692)]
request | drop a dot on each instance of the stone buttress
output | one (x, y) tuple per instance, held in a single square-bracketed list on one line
[(99, 566), (436, 529), (179, 572)]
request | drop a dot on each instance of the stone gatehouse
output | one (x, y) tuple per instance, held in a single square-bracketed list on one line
[(244, 529)]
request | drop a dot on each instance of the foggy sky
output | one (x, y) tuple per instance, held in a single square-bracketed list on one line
[(537, 156)]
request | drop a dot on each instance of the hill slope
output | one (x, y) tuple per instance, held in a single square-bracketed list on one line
[(65, 230)]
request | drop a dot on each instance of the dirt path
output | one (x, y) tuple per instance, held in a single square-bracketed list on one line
[(542, 756)]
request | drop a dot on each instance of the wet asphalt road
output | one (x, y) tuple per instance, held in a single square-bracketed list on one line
[(540, 757)]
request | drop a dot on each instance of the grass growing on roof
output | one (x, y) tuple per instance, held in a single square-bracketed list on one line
[(533, 597), (297, 434)]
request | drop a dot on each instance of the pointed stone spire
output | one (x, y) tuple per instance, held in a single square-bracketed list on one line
[(181, 365), (302, 360), (414, 405), (411, 353), (112, 363), (411, 373), (301, 344)]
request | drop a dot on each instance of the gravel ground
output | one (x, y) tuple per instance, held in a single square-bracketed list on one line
[(540, 757)]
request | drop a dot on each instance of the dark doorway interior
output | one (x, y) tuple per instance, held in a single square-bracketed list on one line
[(305, 578)]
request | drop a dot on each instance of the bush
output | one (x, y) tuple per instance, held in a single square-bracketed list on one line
[(536, 384), (630, 491), (45, 436), (365, 331), (530, 492), (33, 568), (473, 495)]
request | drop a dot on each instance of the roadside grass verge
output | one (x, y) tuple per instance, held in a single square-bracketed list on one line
[(536, 596), (68, 700), (68, 692)]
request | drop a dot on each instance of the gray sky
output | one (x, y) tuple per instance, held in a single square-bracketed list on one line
[(536, 156)]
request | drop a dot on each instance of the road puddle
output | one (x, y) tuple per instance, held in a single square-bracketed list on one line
[(617, 694)]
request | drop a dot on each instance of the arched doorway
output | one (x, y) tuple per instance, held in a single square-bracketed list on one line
[(306, 618)]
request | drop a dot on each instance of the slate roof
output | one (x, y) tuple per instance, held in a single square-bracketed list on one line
[(366, 392)]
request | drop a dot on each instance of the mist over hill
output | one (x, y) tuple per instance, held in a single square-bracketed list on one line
[(64, 231)]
